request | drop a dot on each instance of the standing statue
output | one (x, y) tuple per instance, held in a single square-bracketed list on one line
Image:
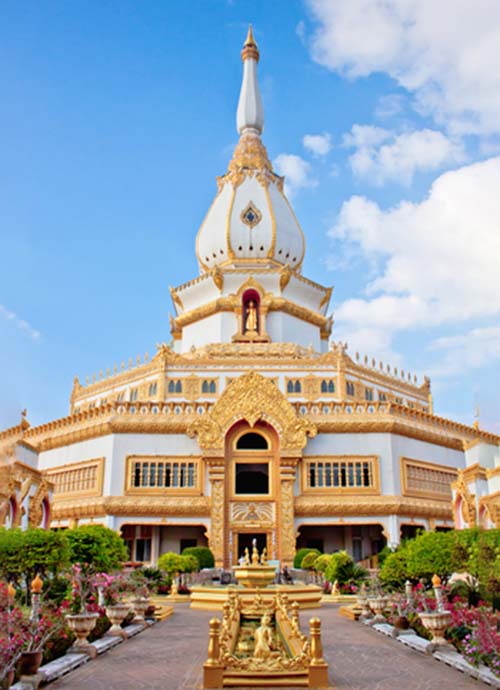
[(246, 558), (263, 638), (251, 318)]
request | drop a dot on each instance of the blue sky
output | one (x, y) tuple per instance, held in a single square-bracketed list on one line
[(117, 116)]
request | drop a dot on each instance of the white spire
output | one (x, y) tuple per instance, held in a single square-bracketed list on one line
[(250, 114)]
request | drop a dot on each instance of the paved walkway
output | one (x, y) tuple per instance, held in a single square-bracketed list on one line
[(170, 655)]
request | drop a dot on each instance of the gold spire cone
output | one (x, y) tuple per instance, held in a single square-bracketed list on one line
[(249, 41)]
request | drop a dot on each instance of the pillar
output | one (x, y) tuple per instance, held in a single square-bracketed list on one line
[(216, 539), (286, 515)]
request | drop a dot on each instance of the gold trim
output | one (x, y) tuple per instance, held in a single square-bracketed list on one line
[(133, 507), (340, 506), (175, 298), (473, 472), (270, 253)]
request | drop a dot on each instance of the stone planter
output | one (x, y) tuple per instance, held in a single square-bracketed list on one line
[(377, 605), (117, 614), (29, 663), (436, 623), (362, 602), (139, 607), (82, 625)]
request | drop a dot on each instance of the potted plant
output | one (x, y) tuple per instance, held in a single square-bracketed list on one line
[(377, 601), (113, 589), (140, 601), (80, 620), (400, 609), (11, 637)]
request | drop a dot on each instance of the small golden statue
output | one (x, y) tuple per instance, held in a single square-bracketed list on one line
[(263, 556), (251, 318), (263, 638), (246, 557), (255, 555)]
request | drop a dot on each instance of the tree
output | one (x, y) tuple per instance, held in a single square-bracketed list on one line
[(170, 562), (98, 546)]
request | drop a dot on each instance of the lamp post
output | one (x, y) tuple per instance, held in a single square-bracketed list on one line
[(36, 591)]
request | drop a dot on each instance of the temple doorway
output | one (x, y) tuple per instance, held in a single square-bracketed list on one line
[(245, 540)]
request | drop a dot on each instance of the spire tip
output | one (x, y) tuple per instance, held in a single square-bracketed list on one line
[(250, 49)]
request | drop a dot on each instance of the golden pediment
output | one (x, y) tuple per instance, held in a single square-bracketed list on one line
[(252, 398)]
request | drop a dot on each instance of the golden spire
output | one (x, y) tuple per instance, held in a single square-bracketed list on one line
[(250, 49)]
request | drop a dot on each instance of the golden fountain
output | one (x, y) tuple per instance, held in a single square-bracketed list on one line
[(261, 644), (255, 576)]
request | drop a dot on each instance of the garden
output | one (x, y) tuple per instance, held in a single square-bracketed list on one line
[(442, 586), (61, 591)]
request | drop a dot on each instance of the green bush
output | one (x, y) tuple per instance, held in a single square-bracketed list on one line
[(202, 554), (309, 560), (394, 571), (299, 556), (343, 569), (98, 546), (321, 563), (189, 563)]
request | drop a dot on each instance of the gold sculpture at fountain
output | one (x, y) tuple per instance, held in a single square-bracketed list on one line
[(278, 655), (259, 641)]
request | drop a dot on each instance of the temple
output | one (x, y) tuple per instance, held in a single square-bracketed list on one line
[(252, 422)]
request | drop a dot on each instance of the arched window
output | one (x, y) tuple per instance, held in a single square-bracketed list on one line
[(297, 387), (211, 388), (331, 386), (252, 441), (204, 387), (324, 387), (171, 386), (178, 387), (289, 387)]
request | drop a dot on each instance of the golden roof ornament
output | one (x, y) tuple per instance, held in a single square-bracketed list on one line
[(250, 49)]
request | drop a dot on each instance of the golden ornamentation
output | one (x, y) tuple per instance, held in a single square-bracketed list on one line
[(250, 49), (36, 502), (342, 461), (218, 278), (343, 506), (175, 298), (252, 397), (77, 479), (287, 529), (252, 511), (326, 298), (181, 461), (468, 501), (249, 159), (217, 512), (133, 506), (251, 215), (285, 275)]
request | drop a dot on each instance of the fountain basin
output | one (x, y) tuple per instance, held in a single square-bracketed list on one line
[(213, 597)]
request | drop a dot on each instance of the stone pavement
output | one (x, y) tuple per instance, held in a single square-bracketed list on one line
[(169, 656)]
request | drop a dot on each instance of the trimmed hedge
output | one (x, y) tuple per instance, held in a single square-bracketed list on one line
[(202, 554), (299, 556)]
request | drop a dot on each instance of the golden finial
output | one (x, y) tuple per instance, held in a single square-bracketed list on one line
[(36, 584), (250, 49), (11, 591), (250, 41), (436, 580)]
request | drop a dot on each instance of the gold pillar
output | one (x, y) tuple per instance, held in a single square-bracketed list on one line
[(286, 511), (216, 541)]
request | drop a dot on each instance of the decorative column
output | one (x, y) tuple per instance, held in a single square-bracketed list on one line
[(286, 516), (216, 475)]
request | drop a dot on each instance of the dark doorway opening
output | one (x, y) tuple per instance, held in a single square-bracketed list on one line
[(245, 542)]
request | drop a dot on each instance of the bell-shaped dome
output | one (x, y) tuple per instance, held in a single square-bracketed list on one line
[(250, 219)]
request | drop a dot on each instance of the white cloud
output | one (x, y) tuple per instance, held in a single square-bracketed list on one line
[(297, 172), (444, 52), (389, 106), (471, 350), (318, 144), (21, 324), (381, 155), (437, 260)]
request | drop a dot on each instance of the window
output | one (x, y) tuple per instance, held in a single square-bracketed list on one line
[(104, 401), (208, 386), (92, 405), (294, 386), (382, 396), (175, 386), (399, 401), (327, 386), (134, 393), (121, 396), (349, 387), (252, 441), (421, 479), (153, 389), (368, 394), (83, 478), (252, 478), (340, 474), (163, 474)]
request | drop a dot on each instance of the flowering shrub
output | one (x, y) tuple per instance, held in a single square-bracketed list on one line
[(82, 587), (113, 587), (474, 631)]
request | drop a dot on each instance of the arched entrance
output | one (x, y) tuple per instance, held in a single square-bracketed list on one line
[(252, 482)]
